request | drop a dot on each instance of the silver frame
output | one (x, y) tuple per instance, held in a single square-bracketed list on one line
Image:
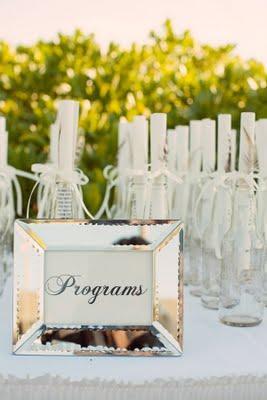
[(25, 344)]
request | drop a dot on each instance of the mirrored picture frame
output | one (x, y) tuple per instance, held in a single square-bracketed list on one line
[(94, 288)]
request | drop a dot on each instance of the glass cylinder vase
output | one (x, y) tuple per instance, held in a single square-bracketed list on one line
[(241, 297)]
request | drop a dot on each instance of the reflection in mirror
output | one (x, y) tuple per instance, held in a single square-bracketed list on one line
[(126, 339), (120, 340), (133, 240)]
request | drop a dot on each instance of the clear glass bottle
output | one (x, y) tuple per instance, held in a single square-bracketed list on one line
[(211, 247), (241, 296), (66, 194), (211, 270), (262, 218), (195, 245), (195, 257), (7, 217), (181, 211)]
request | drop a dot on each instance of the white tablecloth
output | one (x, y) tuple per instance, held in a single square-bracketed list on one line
[(219, 362)]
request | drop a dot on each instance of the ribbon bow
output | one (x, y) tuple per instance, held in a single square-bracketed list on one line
[(229, 181), (110, 173), (149, 179), (47, 176)]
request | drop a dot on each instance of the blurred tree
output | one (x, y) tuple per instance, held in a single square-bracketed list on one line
[(170, 73)]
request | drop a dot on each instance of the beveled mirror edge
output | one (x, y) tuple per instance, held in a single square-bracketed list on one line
[(175, 229), (27, 347), (174, 225)]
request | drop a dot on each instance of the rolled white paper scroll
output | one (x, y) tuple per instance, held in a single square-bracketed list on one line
[(124, 165), (247, 143), (139, 142), (246, 165), (182, 190), (172, 150), (68, 203), (182, 146), (124, 159), (158, 133), (139, 150), (208, 144), (54, 136), (2, 124), (195, 161), (195, 148), (261, 143), (208, 148), (222, 205), (224, 143), (3, 143), (171, 162), (233, 149), (68, 128)]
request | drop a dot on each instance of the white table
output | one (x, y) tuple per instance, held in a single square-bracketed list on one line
[(219, 362)]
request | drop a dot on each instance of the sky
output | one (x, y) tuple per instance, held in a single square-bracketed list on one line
[(243, 22)]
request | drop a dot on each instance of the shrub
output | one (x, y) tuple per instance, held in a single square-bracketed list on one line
[(170, 73)]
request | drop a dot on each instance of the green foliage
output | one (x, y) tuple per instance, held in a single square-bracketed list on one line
[(170, 73)]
